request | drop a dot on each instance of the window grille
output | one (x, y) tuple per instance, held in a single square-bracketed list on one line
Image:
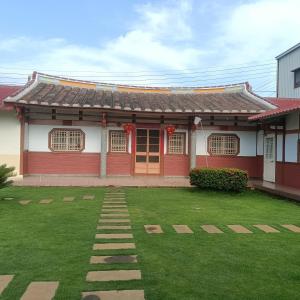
[(118, 142), (176, 143), (66, 140), (223, 144)]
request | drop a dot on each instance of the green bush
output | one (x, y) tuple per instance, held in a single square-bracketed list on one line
[(225, 179), (5, 173)]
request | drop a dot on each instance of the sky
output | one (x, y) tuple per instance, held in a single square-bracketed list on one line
[(153, 43)]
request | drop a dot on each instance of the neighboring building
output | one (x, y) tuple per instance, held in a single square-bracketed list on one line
[(288, 73), (86, 128), (9, 130), (281, 142)]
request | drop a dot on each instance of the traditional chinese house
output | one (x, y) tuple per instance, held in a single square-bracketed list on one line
[(86, 128)]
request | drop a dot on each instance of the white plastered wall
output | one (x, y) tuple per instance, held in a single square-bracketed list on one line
[(291, 139), (38, 137), (10, 140), (247, 141)]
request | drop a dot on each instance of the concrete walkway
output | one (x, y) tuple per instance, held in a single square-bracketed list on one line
[(86, 181)]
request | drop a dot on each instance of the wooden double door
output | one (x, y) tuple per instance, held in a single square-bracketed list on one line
[(147, 152)]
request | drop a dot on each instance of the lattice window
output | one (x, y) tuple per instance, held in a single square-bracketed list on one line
[(66, 140), (226, 144), (118, 142), (176, 143)]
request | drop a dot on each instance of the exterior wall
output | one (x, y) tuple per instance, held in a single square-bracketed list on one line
[(10, 140), (251, 144), (288, 174), (39, 159), (285, 78), (119, 164), (176, 165)]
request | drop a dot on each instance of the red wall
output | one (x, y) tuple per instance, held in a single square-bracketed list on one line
[(61, 163), (288, 174), (176, 165), (252, 164), (118, 164)]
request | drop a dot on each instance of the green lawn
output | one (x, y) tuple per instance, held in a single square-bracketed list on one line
[(54, 242)]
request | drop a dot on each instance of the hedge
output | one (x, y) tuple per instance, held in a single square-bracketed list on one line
[(225, 179)]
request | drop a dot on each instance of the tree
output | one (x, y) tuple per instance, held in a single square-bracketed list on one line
[(5, 173)]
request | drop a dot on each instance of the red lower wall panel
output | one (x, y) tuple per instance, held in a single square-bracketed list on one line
[(62, 163), (176, 165), (118, 164), (288, 174), (252, 164)]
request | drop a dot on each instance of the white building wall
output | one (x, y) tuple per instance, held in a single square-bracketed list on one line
[(279, 147), (292, 121), (38, 137), (247, 141), (291, 146), (10, 139)]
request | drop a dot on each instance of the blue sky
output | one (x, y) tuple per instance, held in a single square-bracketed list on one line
[(188, 42)]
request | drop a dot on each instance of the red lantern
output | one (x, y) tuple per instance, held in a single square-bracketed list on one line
[(127, 128), (170, 129)]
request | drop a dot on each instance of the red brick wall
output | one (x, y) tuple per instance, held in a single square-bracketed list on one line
[(288, 174), (118, 164), (252, 164), (62, 163), (176, 165)]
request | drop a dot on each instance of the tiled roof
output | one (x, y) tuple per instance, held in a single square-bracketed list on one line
[(56, 91), (284, 106), (5, 91)]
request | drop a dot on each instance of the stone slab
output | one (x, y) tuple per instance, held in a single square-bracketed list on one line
[(114, 198), (113, 246), (114, 236), (88, 197), (114, 202), (4, 282), (266, 228), (68, 199), (40, 291), (46, 201), (114, 221), (113, 227), (120, 215), (239, 229), (292, 227), (114, 275), (114, 206), (115, 210), (153, 229), (115, 193), (24, 202), (182, 229), (211, 229), (116, 259), (114, 295)]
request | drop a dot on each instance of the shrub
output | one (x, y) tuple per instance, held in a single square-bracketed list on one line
[(225, 179), (5, 173)]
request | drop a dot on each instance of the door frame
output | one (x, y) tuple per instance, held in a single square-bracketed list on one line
[(272, 167)]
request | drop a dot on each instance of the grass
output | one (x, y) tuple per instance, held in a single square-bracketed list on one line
[(54, 242)]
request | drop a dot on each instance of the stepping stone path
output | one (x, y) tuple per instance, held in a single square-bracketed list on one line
[(46, 201), (182, 229), (114, 227), (115, 295), (211, 229), (4, 282), (40, 291), (239, 229), (88, 197), (266, 228), (24, 202), (68, 199), (153, 229), (114, 236), (117, 259), (291, 227), (114, 217)]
